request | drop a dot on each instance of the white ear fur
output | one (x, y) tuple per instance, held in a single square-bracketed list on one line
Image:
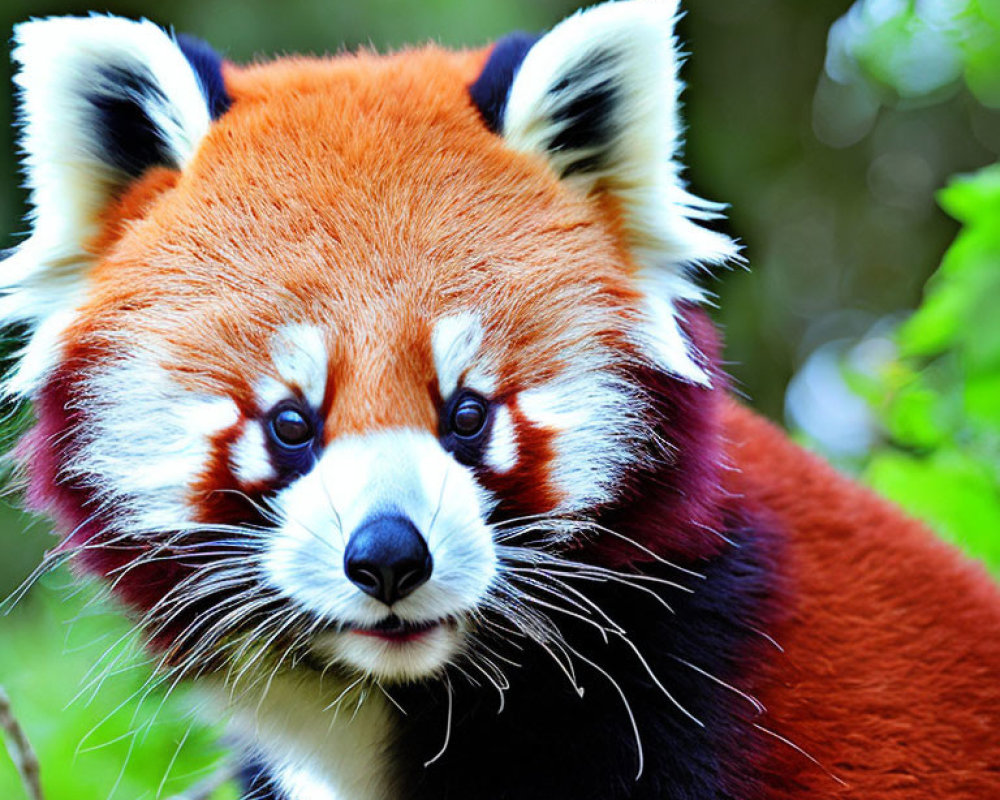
[(70, 69), (598, 97)]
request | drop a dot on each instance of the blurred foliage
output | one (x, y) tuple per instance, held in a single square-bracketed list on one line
[(831, 182), (79, 686), (939, 399), (920, 51), (938, 396)]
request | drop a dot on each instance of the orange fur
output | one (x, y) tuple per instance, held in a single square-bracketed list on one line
[(378, 238)]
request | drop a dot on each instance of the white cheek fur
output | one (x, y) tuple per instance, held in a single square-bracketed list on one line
[(147, 441), (600, 427)]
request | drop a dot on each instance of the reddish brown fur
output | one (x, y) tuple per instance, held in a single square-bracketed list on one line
[(889, 675)]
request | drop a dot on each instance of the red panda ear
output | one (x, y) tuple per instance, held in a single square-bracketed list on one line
[(102, 99), (597, 97)]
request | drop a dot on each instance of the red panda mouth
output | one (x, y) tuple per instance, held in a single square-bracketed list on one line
[(399, 631)]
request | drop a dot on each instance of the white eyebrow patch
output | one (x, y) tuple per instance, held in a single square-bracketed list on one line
[(501, 454), (249, 457), (301, 360), (456, 342)]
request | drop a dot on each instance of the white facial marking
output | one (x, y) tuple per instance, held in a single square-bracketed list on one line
[(301, 359), (147, 441), (250, 460), (600, 429), (395, 471), (456, 343), (501, 453), (270, 391)]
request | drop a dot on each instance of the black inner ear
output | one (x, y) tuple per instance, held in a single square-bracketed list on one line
[(207, 66), (125, 97), (586, 99), (492, 88), (128, 138)]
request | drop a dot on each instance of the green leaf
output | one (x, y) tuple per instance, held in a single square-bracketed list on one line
[(954, 493), (982, 400), (940, 398)]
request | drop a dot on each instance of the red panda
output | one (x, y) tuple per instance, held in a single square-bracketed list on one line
[(377, 387)]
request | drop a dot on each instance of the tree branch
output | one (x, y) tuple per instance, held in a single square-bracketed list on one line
[(20, 749)]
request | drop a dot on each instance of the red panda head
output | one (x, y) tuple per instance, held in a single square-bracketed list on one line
[(316, 346)]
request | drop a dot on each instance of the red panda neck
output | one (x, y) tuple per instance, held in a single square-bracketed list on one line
[(675, 509)]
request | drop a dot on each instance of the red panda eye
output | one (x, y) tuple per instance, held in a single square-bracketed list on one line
[(468, 418), (290, 428)]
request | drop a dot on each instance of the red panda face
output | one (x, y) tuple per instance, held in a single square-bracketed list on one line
[(324, 360)]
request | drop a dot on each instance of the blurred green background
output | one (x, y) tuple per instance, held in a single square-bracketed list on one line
[(830, 127)]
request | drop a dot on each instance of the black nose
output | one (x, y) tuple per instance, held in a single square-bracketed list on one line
[(387, 558)]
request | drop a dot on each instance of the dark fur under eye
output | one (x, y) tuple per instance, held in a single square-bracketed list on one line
[(290, 428), (468, 417)]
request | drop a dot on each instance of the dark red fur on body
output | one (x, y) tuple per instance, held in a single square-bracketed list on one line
[(890, 670)]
